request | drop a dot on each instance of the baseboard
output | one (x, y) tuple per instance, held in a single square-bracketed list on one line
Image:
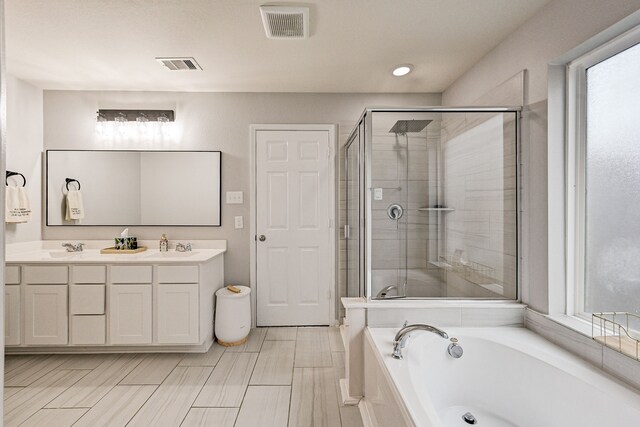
[(344, 394), (105, 349), (365, 414), (343, 335)]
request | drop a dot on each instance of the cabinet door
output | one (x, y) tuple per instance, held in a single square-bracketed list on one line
[(12, 315), (178, 313), (130, 314), (45, 315)]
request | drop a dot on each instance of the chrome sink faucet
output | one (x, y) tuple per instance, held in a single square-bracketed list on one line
[(73, 248), (181, 247), (400, 340)]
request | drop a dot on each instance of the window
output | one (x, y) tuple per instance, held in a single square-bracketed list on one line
[(604, 126)]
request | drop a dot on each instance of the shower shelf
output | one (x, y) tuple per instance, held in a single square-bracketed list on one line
[(436, 209)]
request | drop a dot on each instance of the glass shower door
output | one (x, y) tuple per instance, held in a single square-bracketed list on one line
[(352, 223)]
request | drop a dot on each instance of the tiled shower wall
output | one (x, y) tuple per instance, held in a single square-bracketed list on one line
[(479, 152)]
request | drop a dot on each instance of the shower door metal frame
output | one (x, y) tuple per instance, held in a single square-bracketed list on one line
[(366, 151), (357, 138)]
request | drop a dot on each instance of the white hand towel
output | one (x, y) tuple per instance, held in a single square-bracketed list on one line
[(17, 206), (75, 207)]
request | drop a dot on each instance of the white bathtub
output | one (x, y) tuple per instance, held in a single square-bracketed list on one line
[(506, 377)]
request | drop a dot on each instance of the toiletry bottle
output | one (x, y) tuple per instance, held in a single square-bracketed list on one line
[(164, 244)]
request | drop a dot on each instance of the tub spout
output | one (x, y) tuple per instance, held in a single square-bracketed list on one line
[(400, 341)]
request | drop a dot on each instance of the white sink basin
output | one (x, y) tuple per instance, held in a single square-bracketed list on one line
[(61, 254), (173, 254)]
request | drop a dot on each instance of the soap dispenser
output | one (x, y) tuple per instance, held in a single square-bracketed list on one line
[(164, 244)]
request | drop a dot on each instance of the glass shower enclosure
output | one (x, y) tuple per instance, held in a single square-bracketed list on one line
[(431, 204)]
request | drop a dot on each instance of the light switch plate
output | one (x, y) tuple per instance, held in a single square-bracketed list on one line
[(239, 222), (234, 197)]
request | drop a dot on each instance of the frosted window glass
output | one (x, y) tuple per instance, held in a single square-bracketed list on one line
[(612, 268)]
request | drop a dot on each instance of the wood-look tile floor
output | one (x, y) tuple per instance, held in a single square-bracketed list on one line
[(280, 377)]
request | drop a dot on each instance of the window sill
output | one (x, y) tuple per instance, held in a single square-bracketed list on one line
[(577, 324)]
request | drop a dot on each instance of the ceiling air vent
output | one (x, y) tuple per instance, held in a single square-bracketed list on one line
[(180, 64), (285, 22)]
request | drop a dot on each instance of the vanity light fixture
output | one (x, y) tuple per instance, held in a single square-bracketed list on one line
[(132, 115), (147, 122), (402, 70)]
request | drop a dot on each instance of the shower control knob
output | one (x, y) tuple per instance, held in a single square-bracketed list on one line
[(262, 238)]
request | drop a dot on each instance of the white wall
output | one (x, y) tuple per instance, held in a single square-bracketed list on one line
[(559, 27), (24, 149), (204, 121)]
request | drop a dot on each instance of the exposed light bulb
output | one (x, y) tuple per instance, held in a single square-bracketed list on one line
[(121, 124), (143, 124), (165, 126), (101, 124)]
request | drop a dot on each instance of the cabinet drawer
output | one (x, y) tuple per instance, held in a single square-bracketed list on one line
[(131, 274), (178, 274), (12, 275), (88, 330), (46, 275), (87, 299), (90, 274)]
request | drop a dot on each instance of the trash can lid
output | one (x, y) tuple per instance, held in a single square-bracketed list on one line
[(226, 293)]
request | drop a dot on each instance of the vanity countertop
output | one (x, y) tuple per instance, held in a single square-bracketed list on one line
[(51, 252), (93, 256)]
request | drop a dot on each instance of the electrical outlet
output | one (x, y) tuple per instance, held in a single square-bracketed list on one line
[(377, 194), (239, 222), (234, 197)]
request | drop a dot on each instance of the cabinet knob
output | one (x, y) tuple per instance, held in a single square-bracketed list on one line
[(262, 238)]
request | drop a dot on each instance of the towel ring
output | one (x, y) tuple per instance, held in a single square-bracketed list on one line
[(11, 173), (70, 180)]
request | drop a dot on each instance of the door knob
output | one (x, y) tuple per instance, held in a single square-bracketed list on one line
[(262, 238)]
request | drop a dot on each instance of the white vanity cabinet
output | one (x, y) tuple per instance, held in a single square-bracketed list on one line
[(87, 305), (178, 313), (12, 305), (46, 317), (11, 315), (130, 314), (178, 308), (130, 304), (163, 303)]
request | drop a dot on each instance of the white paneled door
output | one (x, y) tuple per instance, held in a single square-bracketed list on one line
[(293, 254)]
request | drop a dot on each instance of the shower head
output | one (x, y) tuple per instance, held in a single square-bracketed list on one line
[(409, 126)]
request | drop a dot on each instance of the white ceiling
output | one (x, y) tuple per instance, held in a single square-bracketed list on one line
[(111, 44)]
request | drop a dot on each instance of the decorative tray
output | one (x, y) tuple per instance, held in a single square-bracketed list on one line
[(113, 250)]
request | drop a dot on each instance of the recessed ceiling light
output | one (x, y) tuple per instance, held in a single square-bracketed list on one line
[(402, 70)]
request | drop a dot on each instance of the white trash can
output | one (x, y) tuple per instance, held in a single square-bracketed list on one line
[(233, 316)]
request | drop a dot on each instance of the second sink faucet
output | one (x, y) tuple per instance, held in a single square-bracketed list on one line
[(400, 340), (73, 248), (181, 247)]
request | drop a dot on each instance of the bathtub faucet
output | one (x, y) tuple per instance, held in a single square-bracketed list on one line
[(400, 341)]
